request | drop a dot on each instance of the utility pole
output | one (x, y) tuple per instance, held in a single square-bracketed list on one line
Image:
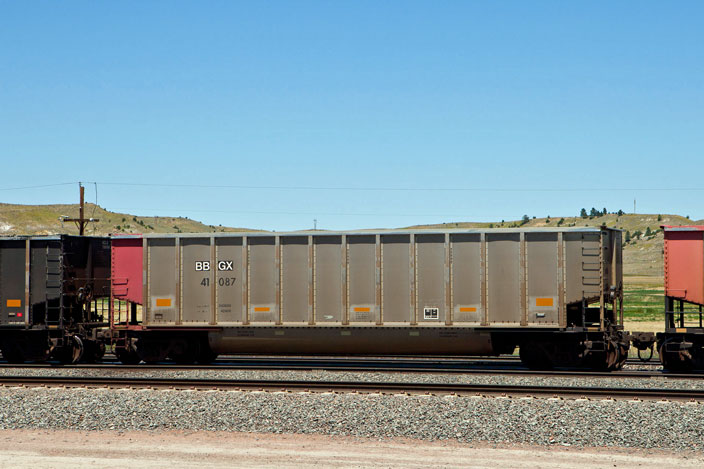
[(634, 206), (81, 222), (315, 223)]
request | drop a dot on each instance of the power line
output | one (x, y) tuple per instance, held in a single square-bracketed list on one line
[(38, 187), (374, 188), (258, 212), (408, 189)]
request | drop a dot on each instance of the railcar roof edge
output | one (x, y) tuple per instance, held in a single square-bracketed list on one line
[(251, 234), (682, 228)]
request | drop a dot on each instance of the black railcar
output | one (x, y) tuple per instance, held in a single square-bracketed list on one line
[(51, 295)]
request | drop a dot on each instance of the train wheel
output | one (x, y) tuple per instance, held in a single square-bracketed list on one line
[(94, 351), (611, 359), (152, 351), (205, 354), (623, 349), (613, 355), (676, 361), (534, 356), (13, 355), (127, 356), (77, 349), (183, 352), (71, 352)]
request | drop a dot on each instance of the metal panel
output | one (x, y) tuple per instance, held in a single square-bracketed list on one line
[(396, 278), (476, 278), (448, 280), (263, 279), (12, 282), (466, 278), (542, 278), (294, 265), (196, 280), (127, 269), (503, 272), (684, 265), (245, 281), (162, 275), (430, 271), (361, 254), (582, 264), (414, 281), (228, 253), (562, 310), (329, 273), (46, 277)]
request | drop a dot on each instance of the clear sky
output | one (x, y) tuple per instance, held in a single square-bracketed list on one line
[(360, 114)]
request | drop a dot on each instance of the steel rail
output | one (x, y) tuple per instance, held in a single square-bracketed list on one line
[(354, 386), (421, 366)]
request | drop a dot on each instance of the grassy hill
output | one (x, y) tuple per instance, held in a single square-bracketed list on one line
[(642, 254), (45, 220)]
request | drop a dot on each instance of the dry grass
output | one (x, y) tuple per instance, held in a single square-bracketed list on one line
[(641, 256), (45, 220)]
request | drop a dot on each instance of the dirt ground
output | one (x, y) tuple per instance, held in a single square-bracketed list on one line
[(644, 326), (25, 449)]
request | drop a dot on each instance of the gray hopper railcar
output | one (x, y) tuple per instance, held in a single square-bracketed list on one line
[(556, 293)]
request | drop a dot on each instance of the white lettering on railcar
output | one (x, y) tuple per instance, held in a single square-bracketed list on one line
[(202, 266), (226, 265)]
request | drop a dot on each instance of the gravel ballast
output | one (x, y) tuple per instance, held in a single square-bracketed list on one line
[(660, 382), (591, 423)]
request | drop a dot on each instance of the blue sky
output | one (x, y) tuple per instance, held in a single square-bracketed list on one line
[(357, 114)]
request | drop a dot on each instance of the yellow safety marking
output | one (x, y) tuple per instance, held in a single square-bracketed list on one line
[(468, 310), (261, 309), (679, 329), (14, 303), (362, 310), (163, 302), (543, 302)]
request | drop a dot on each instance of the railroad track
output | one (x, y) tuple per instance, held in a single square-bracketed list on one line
[(349, 386), (366, 364)]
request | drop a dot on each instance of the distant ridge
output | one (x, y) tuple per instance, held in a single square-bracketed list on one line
[(642, 254), (45, 220)]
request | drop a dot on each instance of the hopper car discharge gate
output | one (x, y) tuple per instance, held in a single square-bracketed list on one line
[(554, 293)]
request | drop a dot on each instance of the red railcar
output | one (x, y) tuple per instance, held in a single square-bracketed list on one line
[(681, 346)]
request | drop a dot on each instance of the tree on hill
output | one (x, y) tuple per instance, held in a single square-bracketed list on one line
[(525, 220), (583, 213), (594, 212), (620, 213), (648, 232)]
